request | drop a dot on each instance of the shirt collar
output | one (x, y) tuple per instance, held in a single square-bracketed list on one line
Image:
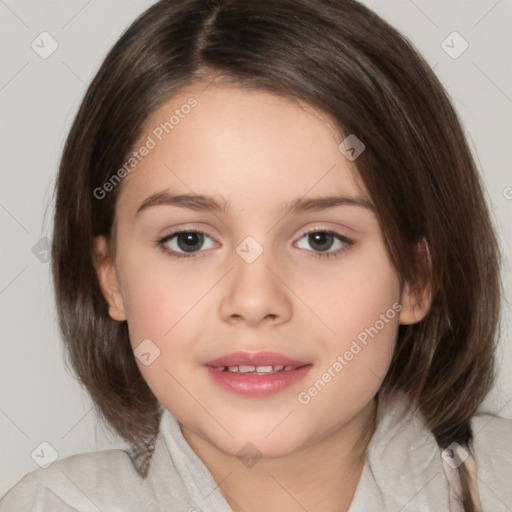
[(403, 469)]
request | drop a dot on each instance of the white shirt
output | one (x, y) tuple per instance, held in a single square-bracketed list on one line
[(404, 471)]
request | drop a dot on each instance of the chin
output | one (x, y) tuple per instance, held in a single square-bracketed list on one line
[(255, 441)]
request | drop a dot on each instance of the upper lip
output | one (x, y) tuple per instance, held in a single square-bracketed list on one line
[(254, 359)]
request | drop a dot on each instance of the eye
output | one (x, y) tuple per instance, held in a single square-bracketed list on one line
[(322, 243), (185, 244)]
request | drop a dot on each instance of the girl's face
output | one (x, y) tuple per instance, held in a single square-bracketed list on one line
[(251, 177)]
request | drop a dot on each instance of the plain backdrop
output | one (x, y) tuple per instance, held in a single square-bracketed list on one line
[(40, 401)]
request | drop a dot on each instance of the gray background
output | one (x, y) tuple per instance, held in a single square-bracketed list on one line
[(39, 398)]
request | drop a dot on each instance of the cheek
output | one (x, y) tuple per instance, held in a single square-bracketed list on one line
[(162, 305), (158, 296), (359, 304), (351, 295)]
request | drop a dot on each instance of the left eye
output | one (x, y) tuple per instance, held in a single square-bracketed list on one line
[(324, 241), (186, 242)]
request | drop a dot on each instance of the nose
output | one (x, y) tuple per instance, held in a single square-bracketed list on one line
[(256, 294)]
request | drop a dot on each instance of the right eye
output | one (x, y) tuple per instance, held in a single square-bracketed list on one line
[(184, 244)]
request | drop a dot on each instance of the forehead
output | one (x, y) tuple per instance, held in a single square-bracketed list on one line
[(242, 144)]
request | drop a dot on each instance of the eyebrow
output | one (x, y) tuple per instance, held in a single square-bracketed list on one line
[(200, 202)]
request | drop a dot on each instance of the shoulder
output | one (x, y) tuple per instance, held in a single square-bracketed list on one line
[(103, 467), (80, 482), (493, 437), (492, 442)]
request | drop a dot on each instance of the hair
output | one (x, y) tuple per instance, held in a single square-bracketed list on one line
[(337, 56)]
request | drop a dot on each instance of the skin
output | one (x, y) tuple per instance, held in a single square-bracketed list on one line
[(259, 151)]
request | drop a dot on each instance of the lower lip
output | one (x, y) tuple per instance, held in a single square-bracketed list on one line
[(257, 385)]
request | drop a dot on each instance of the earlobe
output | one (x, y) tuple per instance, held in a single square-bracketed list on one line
[(415, 306), (107, 278), (416, 303)]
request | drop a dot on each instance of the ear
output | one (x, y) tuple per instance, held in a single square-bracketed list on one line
[(416, 304), (107, 277)]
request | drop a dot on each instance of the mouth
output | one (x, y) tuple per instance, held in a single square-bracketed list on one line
[(257, 370), (256, 374)]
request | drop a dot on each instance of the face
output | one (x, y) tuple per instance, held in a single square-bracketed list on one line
[(259, 310)]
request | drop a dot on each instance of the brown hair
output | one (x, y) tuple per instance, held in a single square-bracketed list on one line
[(340, 57)]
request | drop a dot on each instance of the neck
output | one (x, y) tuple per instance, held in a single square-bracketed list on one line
[(320, 476)]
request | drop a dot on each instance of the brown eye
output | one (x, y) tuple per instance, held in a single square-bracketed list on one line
[(186, 243), (321, 242), (189, 242)]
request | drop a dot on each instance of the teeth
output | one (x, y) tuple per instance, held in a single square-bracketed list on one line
[(256, 370), (264, 369), (246, 369)]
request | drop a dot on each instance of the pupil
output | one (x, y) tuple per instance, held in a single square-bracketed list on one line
[(189, 242), (323, 241)]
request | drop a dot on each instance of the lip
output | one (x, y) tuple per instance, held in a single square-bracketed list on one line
[(256, 386), (254, 359)]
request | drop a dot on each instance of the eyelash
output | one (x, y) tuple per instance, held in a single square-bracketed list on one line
[(162, 243)]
